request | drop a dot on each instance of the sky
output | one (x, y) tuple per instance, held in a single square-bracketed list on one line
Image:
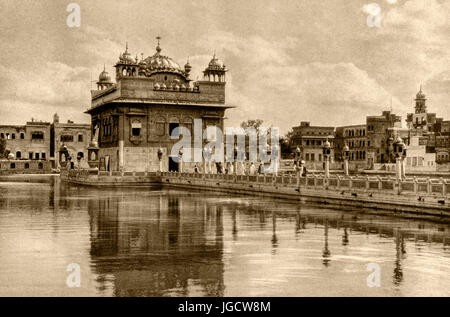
[(288, 60)]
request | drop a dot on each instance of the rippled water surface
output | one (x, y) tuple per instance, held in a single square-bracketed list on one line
[(142, 242)]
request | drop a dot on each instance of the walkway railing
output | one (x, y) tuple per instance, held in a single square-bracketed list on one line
[(413, 186)]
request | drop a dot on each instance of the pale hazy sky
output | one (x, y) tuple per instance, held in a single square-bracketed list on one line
[(289, 61)]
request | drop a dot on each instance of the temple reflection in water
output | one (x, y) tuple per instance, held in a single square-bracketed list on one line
[(167, 253)]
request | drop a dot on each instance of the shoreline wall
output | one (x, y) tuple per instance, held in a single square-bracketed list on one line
[(419, 198), (416, 196)]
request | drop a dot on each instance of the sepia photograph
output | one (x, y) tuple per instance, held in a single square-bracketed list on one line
[(236, 151)]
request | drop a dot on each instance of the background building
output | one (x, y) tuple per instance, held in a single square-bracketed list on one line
[(29, 141), (310, 140), (421, 121), (378, 137), (417, 158), (41, 141), (74, 136), (435, 131), (355, 137)]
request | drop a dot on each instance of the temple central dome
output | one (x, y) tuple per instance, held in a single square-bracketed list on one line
[(160, 63)]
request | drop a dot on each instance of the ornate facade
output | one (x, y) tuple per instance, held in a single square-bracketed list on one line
[(133, 118)]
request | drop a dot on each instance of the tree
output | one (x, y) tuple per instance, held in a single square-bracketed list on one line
[(285, 144), (252, 123), (285, 147)]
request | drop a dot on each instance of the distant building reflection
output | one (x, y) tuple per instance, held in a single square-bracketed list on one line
[(326, 254), (274, 233), (399, 256), (345, 237), (167, 245), (233, 218)]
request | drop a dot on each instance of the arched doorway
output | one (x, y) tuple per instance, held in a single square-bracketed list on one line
[(173, 164)]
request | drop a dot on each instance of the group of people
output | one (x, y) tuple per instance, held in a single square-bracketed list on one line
[(228, 168)]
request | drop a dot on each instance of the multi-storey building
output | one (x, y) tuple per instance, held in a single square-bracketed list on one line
[(378, 147), (442, 148), (354, 136), (74, 136), (417, 157), (38, 140), (29, 141), (310, 139), (134, 118)]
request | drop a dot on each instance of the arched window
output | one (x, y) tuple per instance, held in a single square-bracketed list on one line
[(22, 136), (173, 124), (27, 165), (18, 154), (13, 165), (187, 123), (40, 165), (136, 127), (13, 136), (160, 126)]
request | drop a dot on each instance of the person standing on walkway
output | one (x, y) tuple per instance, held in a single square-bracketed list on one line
[(252, 169), (303, 169), (230, 168), (260, 169)]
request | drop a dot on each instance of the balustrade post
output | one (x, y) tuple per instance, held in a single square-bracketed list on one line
[(444, 187), (394, 184), (367, 182), (415, 185), (428, 186), (380, 183), (350, 182)]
